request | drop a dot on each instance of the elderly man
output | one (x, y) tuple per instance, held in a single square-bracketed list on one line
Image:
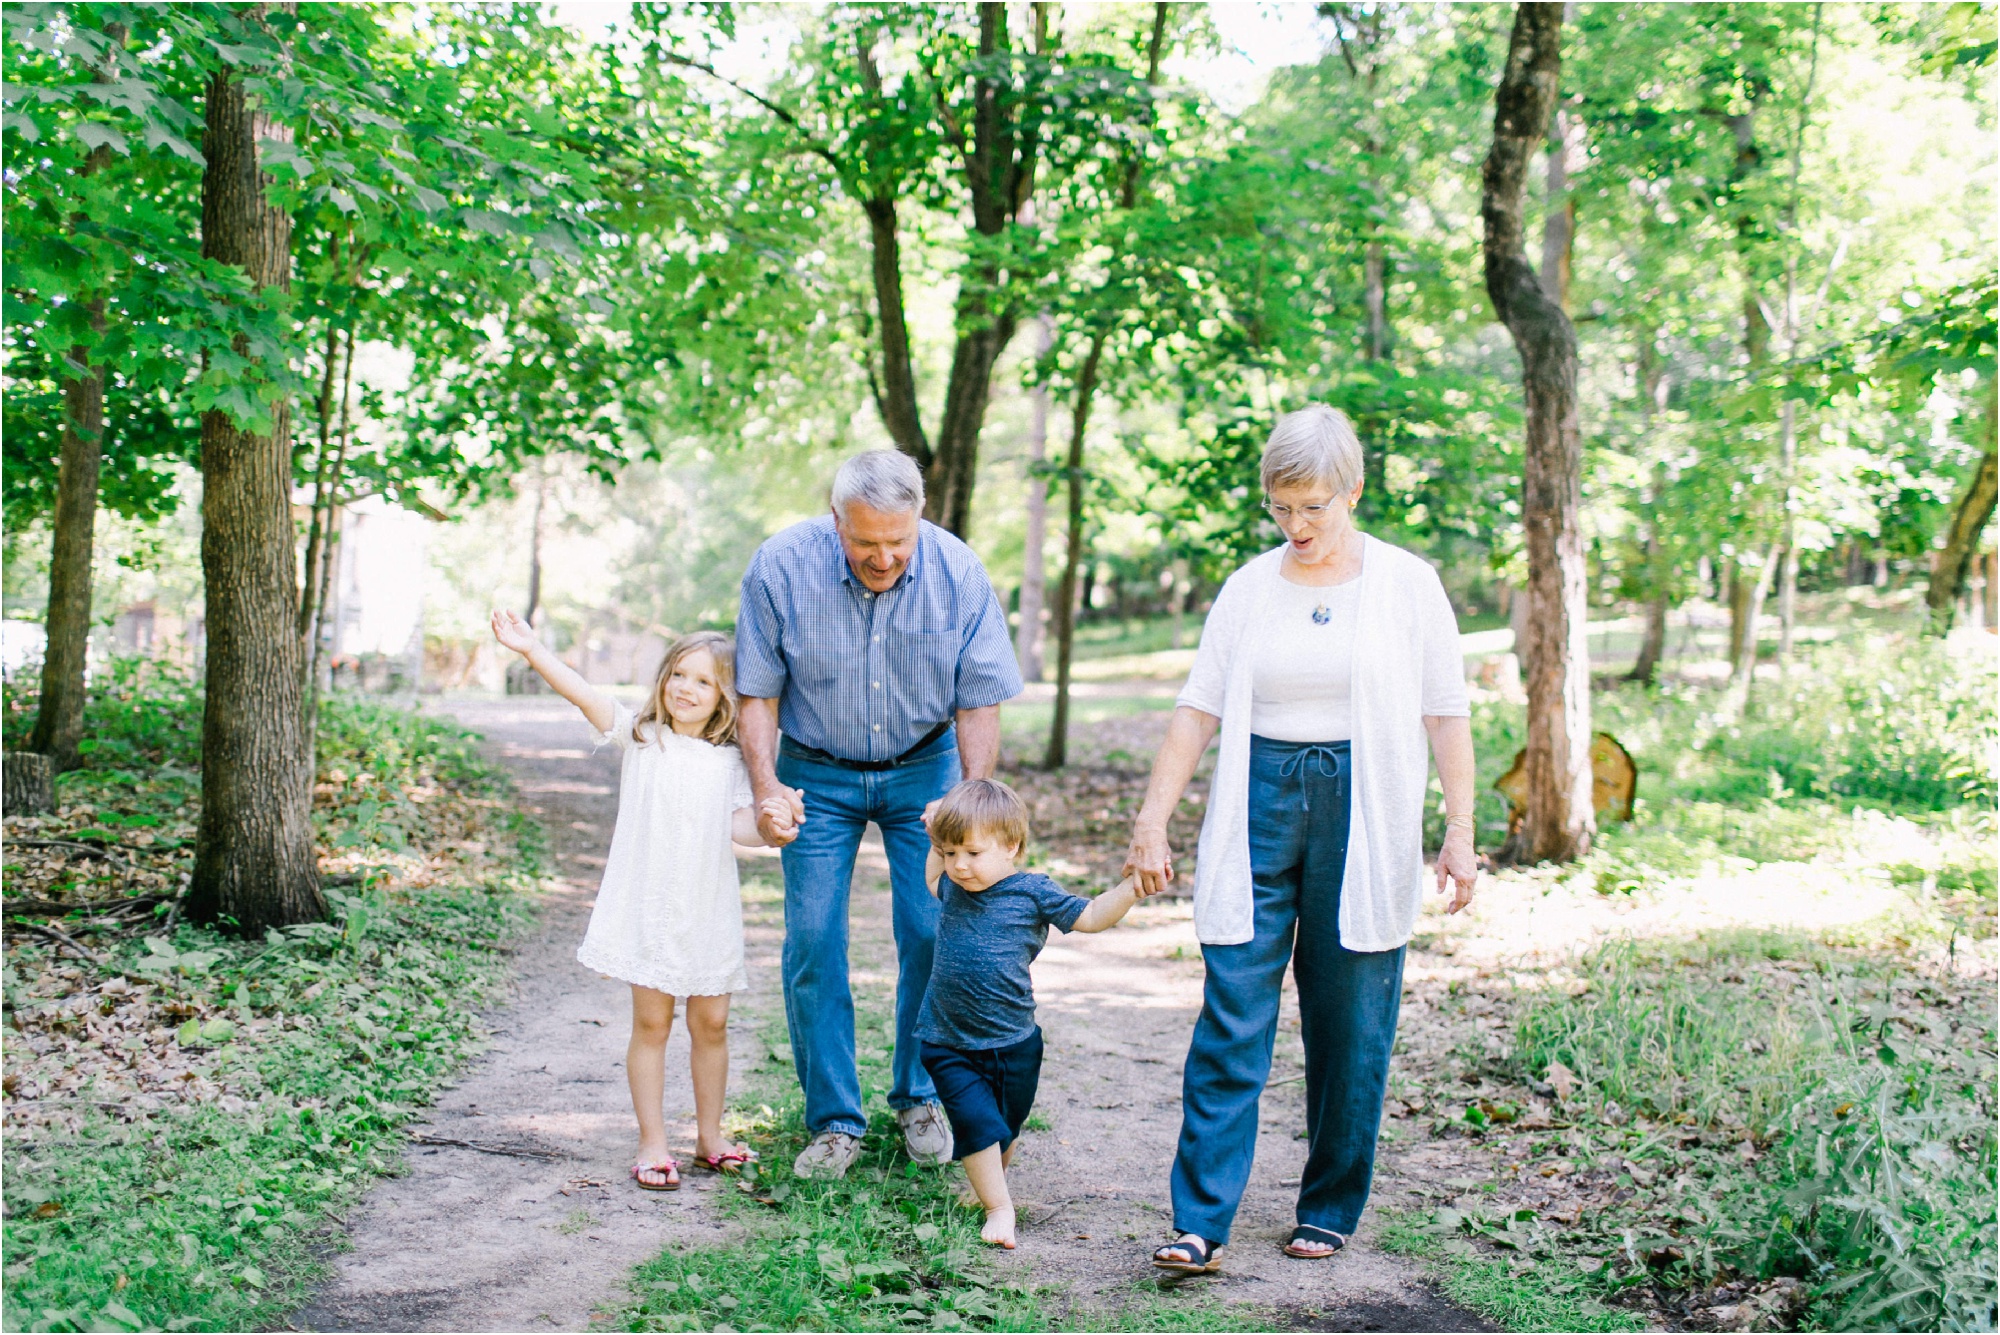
[(865, 635)]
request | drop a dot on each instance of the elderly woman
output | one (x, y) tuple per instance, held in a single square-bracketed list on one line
[(1326, 664)]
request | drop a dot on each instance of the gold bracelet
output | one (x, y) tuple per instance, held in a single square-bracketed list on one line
[(1465, 820)]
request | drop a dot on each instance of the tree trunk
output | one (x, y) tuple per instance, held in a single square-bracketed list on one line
[(1654, 645), (1028, 635), (1559, 221), (59, 720), (1057, 754), (1375, 298), (535, 548), (1559, 821), (985, 326), (66, 652), (27, 784), (254, 864), (1968, 521), (1652, 648), (896, 390), (1788, 562), (1746, 607)]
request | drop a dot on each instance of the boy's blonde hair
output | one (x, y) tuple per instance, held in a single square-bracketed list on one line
[(720, 730), (980, 806)]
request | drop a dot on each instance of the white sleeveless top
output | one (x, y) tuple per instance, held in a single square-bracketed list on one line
[(1301, 689), (669, 912)]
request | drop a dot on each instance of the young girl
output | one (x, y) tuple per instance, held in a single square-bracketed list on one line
[(669, 913)]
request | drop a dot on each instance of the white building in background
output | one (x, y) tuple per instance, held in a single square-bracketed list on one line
[(375, 609)]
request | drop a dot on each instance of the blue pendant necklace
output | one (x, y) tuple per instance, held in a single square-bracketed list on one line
[(1320, 615)]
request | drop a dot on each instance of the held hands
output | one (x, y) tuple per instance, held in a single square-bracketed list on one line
[(1150, 862), (513, 633), (1458, 865), (780, 815)]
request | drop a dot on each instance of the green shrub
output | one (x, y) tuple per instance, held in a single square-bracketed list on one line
[(1868, 1093), (1905, 724)]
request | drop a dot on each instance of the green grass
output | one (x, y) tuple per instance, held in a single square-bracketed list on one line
[(322, 1040), (1517, 1292), (883, 1249), (1866, 1091)]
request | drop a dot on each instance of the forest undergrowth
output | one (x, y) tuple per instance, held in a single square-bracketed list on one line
[(186, 1112), (1746, 1129)]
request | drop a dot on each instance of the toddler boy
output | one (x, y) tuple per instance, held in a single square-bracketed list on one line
[(981, 1044)]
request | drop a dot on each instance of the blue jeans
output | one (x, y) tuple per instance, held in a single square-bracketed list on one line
[(1348, 1002), (819, 869)]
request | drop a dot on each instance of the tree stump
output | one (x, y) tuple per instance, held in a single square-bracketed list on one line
[(1614, 782), (29, 782)]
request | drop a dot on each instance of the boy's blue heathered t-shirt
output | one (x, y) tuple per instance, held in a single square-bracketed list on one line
[(981, 996)]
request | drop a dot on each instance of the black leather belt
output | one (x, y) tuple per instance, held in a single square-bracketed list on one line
[(804, 752)]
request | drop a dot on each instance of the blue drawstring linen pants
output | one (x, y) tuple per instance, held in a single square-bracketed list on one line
[(1348, 1004)]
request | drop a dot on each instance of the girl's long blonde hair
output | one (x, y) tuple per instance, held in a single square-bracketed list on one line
[(720, 730)]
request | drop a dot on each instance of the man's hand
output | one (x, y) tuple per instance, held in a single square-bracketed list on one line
[(1150, 862), (1458, 864), (780, 815)]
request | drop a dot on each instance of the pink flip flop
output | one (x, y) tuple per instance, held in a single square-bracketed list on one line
[(728, 1162), (673, 1183)]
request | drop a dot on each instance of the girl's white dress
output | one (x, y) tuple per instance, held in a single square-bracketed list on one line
[(669, 911)]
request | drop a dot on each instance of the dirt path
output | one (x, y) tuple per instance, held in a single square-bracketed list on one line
[(474, 1240)]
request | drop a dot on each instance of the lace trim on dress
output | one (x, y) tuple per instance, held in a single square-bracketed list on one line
[(647, 973)]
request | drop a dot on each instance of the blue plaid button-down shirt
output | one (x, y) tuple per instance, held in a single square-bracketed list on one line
[(863, 675)]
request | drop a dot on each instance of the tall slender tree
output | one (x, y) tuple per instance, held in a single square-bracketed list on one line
[(1559, 822)]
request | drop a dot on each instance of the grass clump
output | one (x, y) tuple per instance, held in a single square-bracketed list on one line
[(1536, 1289), (1827, 1116), (183, 1113)]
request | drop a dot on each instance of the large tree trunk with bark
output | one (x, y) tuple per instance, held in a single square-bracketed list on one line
[(1968, 521), (1559, 822), (254, 865)]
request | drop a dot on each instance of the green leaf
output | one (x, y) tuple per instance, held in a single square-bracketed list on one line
[(99, 136)]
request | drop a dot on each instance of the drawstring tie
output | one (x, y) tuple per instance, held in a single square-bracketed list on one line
[(1324, 758)]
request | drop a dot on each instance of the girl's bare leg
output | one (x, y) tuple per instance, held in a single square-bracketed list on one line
[(708, 1063), (988, 1176), (646, 1072)]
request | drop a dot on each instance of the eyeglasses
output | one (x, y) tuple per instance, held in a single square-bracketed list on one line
[(1312, 514)]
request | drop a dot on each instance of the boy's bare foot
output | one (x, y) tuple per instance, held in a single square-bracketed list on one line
[(999, 1227), (967, 1198)]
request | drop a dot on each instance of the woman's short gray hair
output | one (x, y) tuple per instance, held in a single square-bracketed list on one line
[(1313, 447), (884, 480)]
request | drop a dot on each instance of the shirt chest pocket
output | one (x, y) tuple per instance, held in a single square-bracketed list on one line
[(922, 668), (817, 661)]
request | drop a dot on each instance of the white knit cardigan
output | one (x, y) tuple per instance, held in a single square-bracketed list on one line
[(1404, 623)]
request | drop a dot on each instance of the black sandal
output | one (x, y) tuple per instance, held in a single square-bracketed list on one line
[(1326, 1237), (1200, 1257)]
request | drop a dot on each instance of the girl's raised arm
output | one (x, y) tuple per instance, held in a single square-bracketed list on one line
[(519, 636)]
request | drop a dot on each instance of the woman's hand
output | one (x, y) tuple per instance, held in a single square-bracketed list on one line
[(1150, 862), (1459, 865), (513, 633)]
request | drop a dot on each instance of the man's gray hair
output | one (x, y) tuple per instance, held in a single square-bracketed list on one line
[(884, 480), (1313, 447)]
